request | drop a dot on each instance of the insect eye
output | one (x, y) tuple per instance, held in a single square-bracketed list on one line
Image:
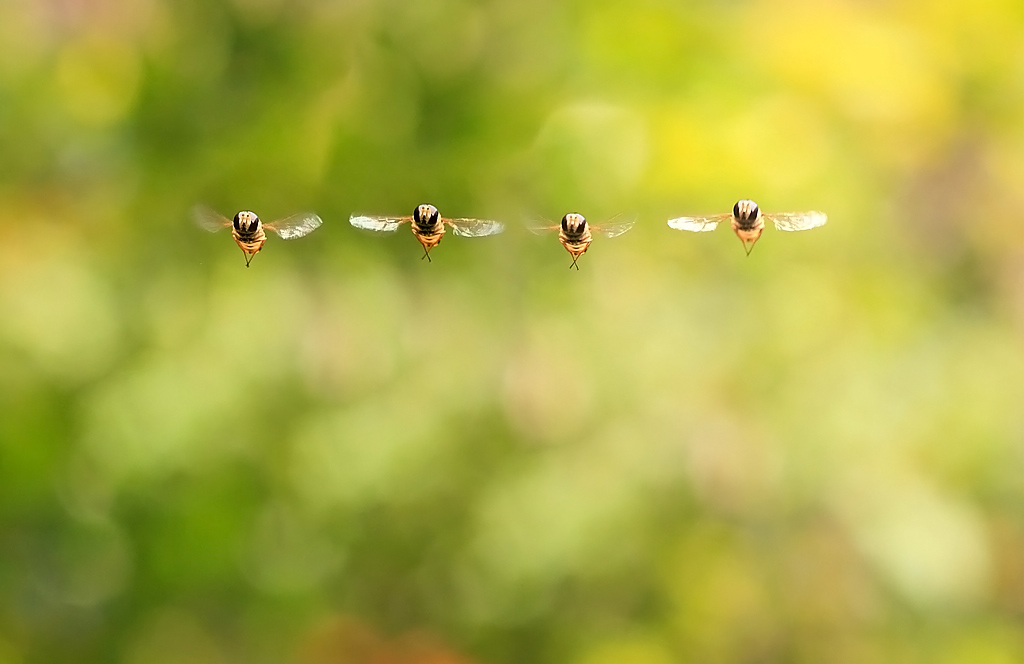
[(736, 210), (433, 217), (565, 223), (236, 221), (753, 210)]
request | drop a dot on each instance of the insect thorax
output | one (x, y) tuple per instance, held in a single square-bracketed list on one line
[(249, 235), (747, 223), (580, 235)]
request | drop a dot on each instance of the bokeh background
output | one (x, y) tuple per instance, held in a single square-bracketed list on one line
[(676, 454)]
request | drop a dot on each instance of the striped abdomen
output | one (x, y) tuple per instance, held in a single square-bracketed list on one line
[(429, 236), (251, 241), (575, 242)]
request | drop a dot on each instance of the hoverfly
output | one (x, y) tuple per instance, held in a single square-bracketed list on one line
[(748, 222), (576, 234), (248, 230), (428, 226)]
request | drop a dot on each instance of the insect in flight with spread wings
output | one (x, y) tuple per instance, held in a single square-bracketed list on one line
[(428, 226), (248, 230), (576, 233), (748, 222)]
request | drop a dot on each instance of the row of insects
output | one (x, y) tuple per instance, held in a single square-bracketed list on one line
[(574, 232)]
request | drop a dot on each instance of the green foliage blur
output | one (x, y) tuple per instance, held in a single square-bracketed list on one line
[(678, 453)]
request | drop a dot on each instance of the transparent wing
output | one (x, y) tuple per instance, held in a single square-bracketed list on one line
[(538, 228), (797, 221), (296, 225), (209, 220), (380, 224), (475, 227), (615, 226), (698, 224)]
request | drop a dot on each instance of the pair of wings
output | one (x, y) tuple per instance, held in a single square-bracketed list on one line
[(784, 221), (612, 228), (288, 228), (463, 227)]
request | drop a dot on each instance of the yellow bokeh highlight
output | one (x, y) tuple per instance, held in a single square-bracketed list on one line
[(881, 75), (636, 650)]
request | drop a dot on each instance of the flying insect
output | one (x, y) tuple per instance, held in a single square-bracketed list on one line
[(249, 232), (576, 233), (428, 226), (748, 222)]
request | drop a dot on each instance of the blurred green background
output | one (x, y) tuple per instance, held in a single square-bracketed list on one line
[(676, 454)]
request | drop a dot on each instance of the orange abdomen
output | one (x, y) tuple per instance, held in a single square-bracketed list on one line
[(575, 243), (429, 238), (250, 243)]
